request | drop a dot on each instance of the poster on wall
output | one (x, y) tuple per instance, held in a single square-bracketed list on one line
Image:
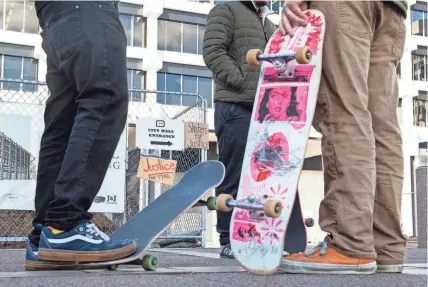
[(21, 128)]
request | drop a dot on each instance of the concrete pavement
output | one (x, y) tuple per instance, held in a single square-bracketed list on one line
[(197, 267)]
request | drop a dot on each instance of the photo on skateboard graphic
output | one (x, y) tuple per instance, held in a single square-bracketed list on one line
[(147, 225), (267, 207)]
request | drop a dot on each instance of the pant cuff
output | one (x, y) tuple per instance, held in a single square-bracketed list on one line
[(359, 255)]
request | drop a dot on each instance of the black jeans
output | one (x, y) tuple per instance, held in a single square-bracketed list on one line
[(231, 123), (86, 111)]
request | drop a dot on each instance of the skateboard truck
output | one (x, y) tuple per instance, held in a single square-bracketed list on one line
[(282, 61), (271, 208)]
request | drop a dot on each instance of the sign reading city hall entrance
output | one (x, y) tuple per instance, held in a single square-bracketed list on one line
[(160, 134)]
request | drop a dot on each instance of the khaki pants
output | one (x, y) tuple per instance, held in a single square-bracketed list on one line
[(357, 116)]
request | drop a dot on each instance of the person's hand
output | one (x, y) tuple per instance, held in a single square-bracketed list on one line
[(292, 15)]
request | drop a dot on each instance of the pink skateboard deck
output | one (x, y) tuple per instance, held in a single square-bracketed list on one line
[(281, 121)]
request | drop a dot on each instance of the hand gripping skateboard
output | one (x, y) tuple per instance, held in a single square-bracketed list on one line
[(267, 212), (155, 218)]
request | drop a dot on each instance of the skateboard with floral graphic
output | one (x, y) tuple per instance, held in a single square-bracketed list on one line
[(267, 217)]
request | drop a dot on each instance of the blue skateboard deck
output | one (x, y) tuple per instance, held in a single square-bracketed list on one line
[(155, 218)]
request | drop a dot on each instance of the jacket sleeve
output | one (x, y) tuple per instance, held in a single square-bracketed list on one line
[(217, 39)]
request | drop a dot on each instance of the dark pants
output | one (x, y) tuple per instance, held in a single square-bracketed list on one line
[(86, 111), (231, 123)]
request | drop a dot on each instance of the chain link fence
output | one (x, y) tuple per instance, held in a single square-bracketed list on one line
[(21, 127)]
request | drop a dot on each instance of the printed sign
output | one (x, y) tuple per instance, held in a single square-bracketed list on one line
[(196, 135), (21, 126), (159, 134), (157, 169)]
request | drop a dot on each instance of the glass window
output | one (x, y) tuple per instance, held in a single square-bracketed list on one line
[(135, 27), (135, 82), (12, 70), (29, 73), (419, 19), (31, 22), (276, 5), (184, 84), (1, 14), (129, 79), (201, 33), (127, 26), (139, 29), (420, 112), (419, 67), (190, 85), (173, 84), (398, 70), (19, 16), (14, 20), (161, 35), (173, 36), (190, 38), (180, 37), (160, 97), (205, 90)]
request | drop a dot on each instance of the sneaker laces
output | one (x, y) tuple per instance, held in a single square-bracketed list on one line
[(93, 230), (322, 245)]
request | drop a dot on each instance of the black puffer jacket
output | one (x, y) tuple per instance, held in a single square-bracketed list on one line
[(233, 28)]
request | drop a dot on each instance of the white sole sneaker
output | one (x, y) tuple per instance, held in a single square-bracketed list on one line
[(289, 266), (397, 268)]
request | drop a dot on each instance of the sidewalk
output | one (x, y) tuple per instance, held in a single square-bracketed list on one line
[(197, 267)]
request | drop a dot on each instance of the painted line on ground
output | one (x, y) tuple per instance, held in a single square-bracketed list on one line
[(415, 271), (190, 253), (123, 271)]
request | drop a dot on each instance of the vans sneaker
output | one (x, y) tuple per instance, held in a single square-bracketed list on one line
[(84, 243)]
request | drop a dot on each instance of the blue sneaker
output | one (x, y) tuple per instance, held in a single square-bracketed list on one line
[(33, 263), (84, 243)]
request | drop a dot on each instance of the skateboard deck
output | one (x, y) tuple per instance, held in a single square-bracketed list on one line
[(155, 218), (267, 213)]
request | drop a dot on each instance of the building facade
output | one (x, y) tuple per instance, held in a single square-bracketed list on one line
[(164, 53)]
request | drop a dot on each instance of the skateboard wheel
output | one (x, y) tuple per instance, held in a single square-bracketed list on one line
[(112, 267), (273, 208), (150, 263), (211, 203), (309, 222), (252, 57), (304, 55), (221, 202)]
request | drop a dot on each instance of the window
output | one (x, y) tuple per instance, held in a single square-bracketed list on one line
[(398, 70), (276, 5), (18, 16), (419, 19), (180, 37), (183, 84), (420, 110), (419, 64), (135, 29), (16, 69), (136, 81)]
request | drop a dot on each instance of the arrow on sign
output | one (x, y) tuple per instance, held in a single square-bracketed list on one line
[(168, 143)]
